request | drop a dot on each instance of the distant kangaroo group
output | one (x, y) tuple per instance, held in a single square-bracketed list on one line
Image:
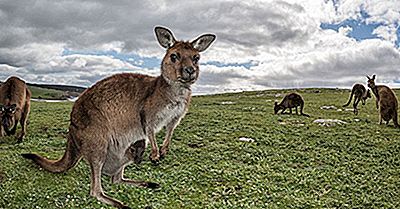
[(386, 101), (112, 121)]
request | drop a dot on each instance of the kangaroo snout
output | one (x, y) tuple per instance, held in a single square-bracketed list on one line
[(188, 70), (188, 74)]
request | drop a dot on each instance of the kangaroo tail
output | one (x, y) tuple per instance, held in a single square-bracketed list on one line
[(351, 97), (68, 160)]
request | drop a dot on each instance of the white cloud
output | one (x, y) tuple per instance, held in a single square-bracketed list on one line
[(283, 37), (387, 32)]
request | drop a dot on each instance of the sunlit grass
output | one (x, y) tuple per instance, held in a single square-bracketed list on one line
[(292, 163)]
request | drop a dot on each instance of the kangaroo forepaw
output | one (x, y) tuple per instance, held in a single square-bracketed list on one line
[(20, 138), (155, 159), (163, 153)]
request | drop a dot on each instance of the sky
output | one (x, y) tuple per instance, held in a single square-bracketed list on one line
[(260, 44)]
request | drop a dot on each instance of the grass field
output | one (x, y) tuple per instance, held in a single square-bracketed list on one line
[(292, 163)]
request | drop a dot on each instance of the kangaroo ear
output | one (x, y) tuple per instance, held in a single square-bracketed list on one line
[(368, 78), (373, 77), (203, 42), (276, 103), (164, 37)]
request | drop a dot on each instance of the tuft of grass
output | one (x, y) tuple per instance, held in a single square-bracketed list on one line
[(292, 163)]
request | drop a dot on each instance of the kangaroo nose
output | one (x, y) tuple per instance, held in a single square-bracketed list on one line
[(188, 70)]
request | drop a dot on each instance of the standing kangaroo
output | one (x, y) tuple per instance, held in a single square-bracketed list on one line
[(386, 102), (290, 101), (14, 106), (112, 119), (360, 94)]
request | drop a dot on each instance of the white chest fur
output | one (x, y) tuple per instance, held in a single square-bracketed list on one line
[(172, 111)]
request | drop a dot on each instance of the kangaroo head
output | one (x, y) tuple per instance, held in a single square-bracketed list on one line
[(371, 82), (368, 94), (180, 64), (8, 115)]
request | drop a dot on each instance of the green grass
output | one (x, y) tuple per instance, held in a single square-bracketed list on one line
[(293, 163)]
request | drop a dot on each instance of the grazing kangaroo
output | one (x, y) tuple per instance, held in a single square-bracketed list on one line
[(386, 102), (111, 120), (360, 94), (15, 102), (290, 101)]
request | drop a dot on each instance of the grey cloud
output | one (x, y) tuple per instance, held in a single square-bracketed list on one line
[(34, 33)]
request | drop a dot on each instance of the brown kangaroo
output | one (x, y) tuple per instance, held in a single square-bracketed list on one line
[(14, 106), (290, 101), (360, 94), (386, 102), (111, 120)]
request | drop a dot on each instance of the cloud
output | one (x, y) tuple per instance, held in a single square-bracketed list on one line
[(260, 44)]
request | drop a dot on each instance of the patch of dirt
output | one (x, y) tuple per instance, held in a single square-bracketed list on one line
[(329, 122), (328, 107)]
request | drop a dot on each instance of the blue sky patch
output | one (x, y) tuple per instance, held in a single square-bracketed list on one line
[(360, 29), (148, 62)]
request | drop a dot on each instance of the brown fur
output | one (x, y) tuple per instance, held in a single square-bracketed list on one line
[(360, 94), (290, 101), (386, 102), (112, 119), (14, 106)]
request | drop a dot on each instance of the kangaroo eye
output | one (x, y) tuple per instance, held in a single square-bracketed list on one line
[(174, 58), (196, 59)]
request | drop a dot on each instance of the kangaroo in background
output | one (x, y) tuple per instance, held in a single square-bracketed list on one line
[(14, 107), (386, 102), (290, 101), (111, 120), (360, 94)]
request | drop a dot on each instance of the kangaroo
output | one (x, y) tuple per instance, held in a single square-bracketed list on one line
[(290, 101), (360, 94), (386, 102), (111, 120), (14, 107)]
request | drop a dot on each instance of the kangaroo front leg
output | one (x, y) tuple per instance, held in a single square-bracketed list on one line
[(169, 131), (23, 121), (2, 132), (154, 156)]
